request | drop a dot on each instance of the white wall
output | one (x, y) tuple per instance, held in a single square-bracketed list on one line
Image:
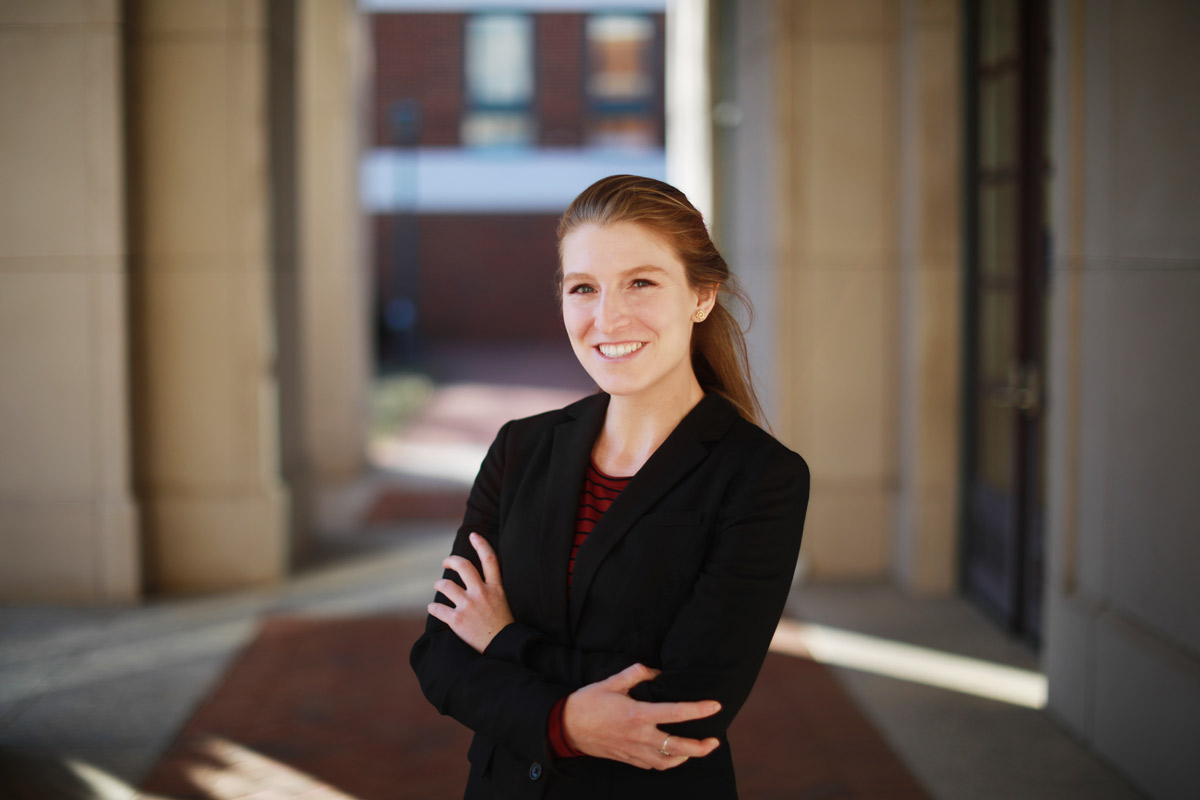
[(1123, 636)]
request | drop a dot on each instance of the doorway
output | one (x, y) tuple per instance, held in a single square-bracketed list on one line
[(1007, 238)]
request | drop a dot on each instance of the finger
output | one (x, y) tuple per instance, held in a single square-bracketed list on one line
[(440, 611), (680, 747), (630, 677), (487, 557), (668, 762), (465, 569), (681, 712), (451, 590)]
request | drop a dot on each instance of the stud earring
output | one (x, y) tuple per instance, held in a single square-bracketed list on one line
[(700, 316)]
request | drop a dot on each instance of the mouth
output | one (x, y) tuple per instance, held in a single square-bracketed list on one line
[(619, 350)]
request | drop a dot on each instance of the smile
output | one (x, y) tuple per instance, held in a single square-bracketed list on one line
[(619, 350)]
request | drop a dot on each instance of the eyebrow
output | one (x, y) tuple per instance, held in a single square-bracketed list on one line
[(642, 268)]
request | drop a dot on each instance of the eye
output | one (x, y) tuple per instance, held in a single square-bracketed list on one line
[(580, 288), (641, 283)]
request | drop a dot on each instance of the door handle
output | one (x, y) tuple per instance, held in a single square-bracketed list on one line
[(1022, 391)]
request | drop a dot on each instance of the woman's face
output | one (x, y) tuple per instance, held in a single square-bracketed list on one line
[(628, 309)]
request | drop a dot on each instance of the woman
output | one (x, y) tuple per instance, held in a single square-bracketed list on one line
[(623, 561)]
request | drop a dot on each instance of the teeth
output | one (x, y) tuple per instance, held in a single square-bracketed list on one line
[(618, 350)]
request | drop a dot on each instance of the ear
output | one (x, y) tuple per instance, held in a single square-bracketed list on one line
[(706, 298)]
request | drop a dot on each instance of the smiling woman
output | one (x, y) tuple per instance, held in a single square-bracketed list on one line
[(629, 311), (670, 232), (623, 561)]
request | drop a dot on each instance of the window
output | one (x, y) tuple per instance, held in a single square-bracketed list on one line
[(499, 77), (621, 85)]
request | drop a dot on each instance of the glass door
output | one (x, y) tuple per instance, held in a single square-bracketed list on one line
[(1007, 237)]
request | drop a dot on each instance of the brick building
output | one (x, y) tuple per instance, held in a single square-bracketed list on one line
[(483, 126)]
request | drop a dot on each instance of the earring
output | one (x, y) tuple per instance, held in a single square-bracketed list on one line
[(700, 316)]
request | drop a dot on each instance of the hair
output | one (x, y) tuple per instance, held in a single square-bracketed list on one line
[(719, 356)]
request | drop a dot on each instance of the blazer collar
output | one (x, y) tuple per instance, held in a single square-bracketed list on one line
[(682, 450)]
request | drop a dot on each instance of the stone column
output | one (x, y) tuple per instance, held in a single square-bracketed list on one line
[(925, 549), (206, 390), (68, 525), (838, 273), (334, 280)]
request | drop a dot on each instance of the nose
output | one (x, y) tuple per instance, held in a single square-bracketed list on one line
[(611, 312)]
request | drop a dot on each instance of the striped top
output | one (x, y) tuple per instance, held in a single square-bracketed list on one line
[(599, 492)]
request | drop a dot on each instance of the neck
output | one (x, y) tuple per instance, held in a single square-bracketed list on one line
[(635, 426)]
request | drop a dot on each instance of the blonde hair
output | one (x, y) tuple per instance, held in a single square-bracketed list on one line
[(719, 356)]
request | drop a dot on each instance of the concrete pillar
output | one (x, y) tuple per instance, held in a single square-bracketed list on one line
[(68, 525), (206, 393), (925, 548), (745, 172), (838, 273), (334, 278)]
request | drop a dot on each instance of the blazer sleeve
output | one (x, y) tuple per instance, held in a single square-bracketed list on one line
[(716, 644), (505, 701)]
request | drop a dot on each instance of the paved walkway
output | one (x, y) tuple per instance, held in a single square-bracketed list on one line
[(326, 708)]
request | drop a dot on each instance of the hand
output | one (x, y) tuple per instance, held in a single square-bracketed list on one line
[(602, 720), (480, 610)]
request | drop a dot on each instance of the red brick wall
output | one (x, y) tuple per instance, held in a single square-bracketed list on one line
[(483, 277), (560, 90), (419, 56)]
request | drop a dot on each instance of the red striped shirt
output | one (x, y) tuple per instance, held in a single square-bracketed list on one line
[(599, 492)]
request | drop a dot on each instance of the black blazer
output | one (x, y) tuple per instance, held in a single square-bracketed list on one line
[(687, 572)]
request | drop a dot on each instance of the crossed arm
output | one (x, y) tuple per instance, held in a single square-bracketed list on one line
[(599, 719)]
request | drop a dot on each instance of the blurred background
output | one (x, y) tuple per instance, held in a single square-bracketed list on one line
[(273, 272)]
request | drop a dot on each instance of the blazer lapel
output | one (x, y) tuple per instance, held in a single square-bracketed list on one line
[(671, 462), (569, 456)]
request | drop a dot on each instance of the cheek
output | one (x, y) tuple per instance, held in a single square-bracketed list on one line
[(574, 320)]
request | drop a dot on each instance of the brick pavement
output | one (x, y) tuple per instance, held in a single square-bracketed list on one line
[(327, 709)]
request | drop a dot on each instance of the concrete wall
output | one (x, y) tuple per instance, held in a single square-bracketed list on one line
[(864, 294), (839, 274), (1123, 637), (68, 524)]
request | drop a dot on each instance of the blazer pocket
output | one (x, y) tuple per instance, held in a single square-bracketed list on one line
[(479, 754)]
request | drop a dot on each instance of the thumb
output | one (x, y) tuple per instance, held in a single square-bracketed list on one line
[(629, 677)]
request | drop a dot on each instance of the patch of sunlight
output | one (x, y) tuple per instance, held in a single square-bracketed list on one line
[(395, 399), (449, 437), (238, 772), (99, 785), (457, 462), (842, 648)]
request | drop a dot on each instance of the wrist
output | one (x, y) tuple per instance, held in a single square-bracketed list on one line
[(560, 746), (494, 640)]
